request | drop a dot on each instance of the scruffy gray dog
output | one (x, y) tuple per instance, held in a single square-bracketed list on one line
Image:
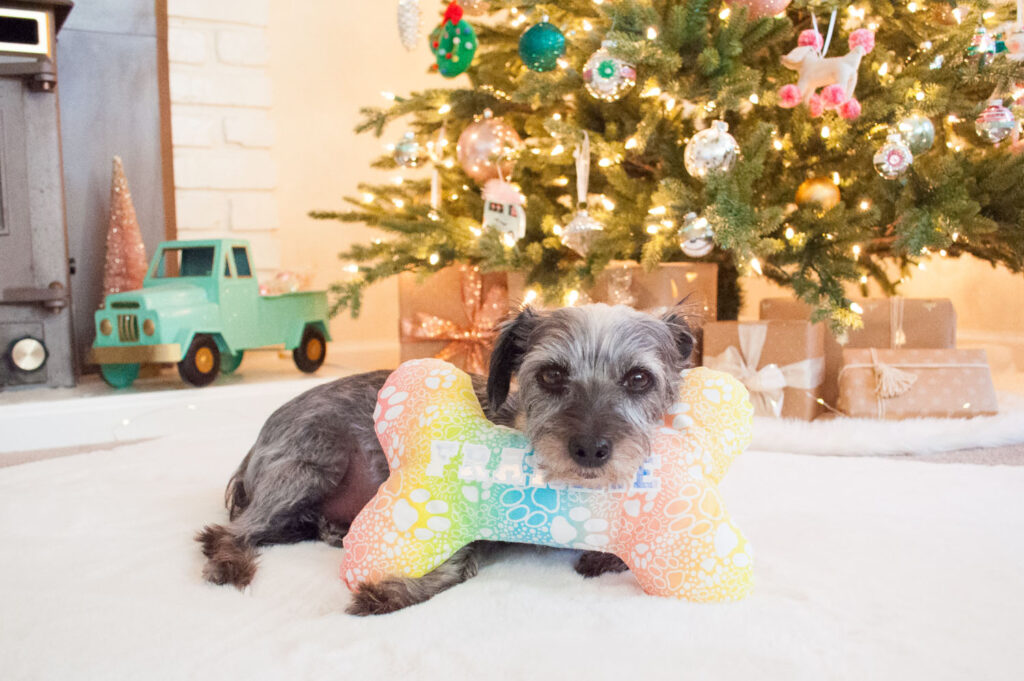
[(593, 381)]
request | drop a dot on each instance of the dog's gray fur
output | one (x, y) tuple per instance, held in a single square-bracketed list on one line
[(317, 460)]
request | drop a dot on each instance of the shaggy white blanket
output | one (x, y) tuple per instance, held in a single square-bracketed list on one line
[(865, 569)]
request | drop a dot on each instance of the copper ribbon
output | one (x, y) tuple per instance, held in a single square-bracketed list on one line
[(470, 343)]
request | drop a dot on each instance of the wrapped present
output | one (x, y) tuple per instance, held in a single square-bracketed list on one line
[(914, 383), (888, 323), (782, 363), (452, 314), (625, 282)]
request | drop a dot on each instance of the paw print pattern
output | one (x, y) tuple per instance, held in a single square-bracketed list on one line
[(389, 407), (421, 515), (532, 506), (440, 379)]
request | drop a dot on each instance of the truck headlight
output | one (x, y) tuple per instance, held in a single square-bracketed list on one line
[(149, 327), (106, 328)]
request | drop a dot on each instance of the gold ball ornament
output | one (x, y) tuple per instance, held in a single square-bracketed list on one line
[(488, 147), (818, 190)]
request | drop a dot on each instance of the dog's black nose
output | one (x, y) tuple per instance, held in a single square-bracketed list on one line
[(590, 451)]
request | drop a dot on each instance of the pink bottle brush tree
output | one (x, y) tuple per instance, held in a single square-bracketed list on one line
[(126, 264)]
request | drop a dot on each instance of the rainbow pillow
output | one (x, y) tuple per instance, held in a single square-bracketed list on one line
[(456, 478)]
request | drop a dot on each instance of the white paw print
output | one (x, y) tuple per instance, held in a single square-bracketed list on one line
[(641, 555), (406, 515), (681, 416), (440, 378), (356, 575), (390, 402)]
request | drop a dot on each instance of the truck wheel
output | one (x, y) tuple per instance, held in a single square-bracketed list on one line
[(311, 351), (201, 363), (119, 375), (229, 362)]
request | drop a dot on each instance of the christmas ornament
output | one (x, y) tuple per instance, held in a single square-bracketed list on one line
[(410, 22), (504, 210), (541, 45), (407, 151), (818, 190), (453, 43), (125, 266), (582, 230), (607, 77), (475, 7), (487, 148), (918, 132), (761, 8), (982, 44), (893, 158), (712, 150), (695, 236), (995, 123), (836, 75)]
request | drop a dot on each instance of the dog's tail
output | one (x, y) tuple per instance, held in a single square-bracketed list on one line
[(236, 499), (230, 559)]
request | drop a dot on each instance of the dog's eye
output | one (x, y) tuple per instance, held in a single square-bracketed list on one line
[(553, 378), (638, 380)]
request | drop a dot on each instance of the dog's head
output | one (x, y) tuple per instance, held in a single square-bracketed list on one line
[(593, 382), (799, 56)]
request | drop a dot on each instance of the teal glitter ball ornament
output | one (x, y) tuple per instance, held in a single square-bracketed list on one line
[(541, 45), (453, 43)]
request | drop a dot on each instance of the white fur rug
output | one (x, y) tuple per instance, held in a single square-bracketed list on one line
[(866, 569), (860, 437)]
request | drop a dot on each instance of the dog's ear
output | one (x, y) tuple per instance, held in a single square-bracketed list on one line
[(682, 331), (513, 336)]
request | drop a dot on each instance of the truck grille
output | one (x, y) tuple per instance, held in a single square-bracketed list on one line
[(128, 328)]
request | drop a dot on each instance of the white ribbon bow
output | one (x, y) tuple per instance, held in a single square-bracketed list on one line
[(766, 384)]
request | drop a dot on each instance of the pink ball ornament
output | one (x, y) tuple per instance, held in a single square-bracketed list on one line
[(863, 38), (761, 8)]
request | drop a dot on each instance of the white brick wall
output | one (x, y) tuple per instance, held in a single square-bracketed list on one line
[(224, 173)]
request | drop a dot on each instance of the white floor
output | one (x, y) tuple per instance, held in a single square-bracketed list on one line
[(866, 568)]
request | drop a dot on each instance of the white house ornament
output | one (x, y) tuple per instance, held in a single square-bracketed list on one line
[(695, 236), (918, 132), (607, 77), (487, 148), (995, 123), (407, 151), (893, 158), (504, 210), (712, 150), (410, 23)]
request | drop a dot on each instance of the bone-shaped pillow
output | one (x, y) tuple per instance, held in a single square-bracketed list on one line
[(456, 478)]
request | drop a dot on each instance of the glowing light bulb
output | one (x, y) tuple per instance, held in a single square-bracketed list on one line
[(368, 197), (509, 239), (353, 268), (399, 203), (865, 204), (652, 228), (657, 210), (883, 69), (434, 259), (631, 143), (445, 108), (607, 203), (856, 250), (587, 26), (856, 308), (724, 14), (529, 296), (754, 99), (863, 278), (604, 162), (755, 265), (777, 144), (790, 232), (571, 297), (911, 7), (670, 103), (919, 96), (556, 116), (387, 95), (653, 91), (652, 33), (561, 181), (825, 132), (556, 230), (557, 149), (835, 178), (397, 180)]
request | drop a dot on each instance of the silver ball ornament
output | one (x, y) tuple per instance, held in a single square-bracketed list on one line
[(918, 132), (607, 77), (995, 123), (695, 236), (488, 147), (893, 158), (407, 151), (712, 150), (581, 232)]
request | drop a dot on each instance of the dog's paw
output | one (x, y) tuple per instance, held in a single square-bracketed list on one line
[(596, 563), (377, 599)]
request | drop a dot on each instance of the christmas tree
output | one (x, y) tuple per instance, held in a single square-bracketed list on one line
[(125, 266), (830, 185)]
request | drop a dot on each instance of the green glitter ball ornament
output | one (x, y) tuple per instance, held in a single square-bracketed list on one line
[(541, 46), (453, 43)]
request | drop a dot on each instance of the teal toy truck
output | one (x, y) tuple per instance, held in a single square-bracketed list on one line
[(200, 307)]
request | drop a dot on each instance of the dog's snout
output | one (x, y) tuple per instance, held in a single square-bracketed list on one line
[(590, 451)]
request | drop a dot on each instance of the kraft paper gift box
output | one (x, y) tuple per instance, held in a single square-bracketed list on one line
[(888, 323), (625, 282), (782, 363), (916, 383), (452, 313)]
